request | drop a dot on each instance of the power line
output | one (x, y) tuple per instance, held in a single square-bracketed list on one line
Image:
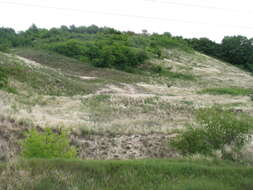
[(199, 6), (124, 15)]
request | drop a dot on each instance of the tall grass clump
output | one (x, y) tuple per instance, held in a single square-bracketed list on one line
[(217, 130), (3, 79), (234, 91)]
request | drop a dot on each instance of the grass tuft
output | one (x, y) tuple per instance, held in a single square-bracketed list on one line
[(234, 91)]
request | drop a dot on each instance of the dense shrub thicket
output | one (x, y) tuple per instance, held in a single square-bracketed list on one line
[(107, 47), (103, 54), (103, 47)]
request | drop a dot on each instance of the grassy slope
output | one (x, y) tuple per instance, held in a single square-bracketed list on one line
[(119, 102), (74, 67), (157, 108), (127, 175)]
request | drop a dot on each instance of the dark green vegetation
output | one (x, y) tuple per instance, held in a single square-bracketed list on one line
[(237, 50), (127, 175), (235, 91), (4, 85), (3, 79), (72, 66), (102, 47), (219, 130), (47, 144), (107, 47)]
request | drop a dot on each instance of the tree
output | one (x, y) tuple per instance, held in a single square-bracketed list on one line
[(237, 50)]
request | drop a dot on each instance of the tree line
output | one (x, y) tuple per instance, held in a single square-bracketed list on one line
[(237, 50), (107, 47)]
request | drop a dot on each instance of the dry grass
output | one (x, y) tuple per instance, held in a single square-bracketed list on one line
[(159, 105), (139, 107)]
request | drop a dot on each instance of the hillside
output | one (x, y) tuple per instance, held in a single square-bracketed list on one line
[(114, 114), (119, 121)]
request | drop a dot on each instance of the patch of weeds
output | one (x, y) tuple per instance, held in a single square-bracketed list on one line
[(159, 70), (187, 102), (166, 72), (33, 100), (180, 76), (99, 107), (232, 105), (151, 100), (251, 97), (96, 100), (14, 107), (4, 82), (234, 91)]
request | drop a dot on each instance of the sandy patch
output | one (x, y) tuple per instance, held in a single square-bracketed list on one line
[(87, 78)]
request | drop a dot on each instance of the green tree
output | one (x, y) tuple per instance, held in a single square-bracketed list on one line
[(237, 50)]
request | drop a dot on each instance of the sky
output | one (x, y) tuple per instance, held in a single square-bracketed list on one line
[(188, 18)]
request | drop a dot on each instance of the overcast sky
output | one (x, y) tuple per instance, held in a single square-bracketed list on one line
[(189, 18)]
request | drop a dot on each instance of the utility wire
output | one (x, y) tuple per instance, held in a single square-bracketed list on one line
[(124, 15), (198, 6)]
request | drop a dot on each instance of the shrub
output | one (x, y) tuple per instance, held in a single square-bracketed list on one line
[(71, 48), (218, 130), (4, 48), (47, 144), (192, 141)]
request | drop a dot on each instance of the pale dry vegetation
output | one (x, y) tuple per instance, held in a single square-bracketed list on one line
[(105, 105)]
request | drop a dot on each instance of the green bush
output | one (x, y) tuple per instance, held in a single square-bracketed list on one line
[(192, 141), (47, 144), (218, 130), (4, 48)]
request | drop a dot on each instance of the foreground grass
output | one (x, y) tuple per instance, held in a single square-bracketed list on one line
[(126, 175), (235, 91)]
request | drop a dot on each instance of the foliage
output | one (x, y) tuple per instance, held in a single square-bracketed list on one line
[(103, 47), (107, 47), (237, 50), (218, 130), (192, 141), (47, 144), (206, 46), (103, 54)]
